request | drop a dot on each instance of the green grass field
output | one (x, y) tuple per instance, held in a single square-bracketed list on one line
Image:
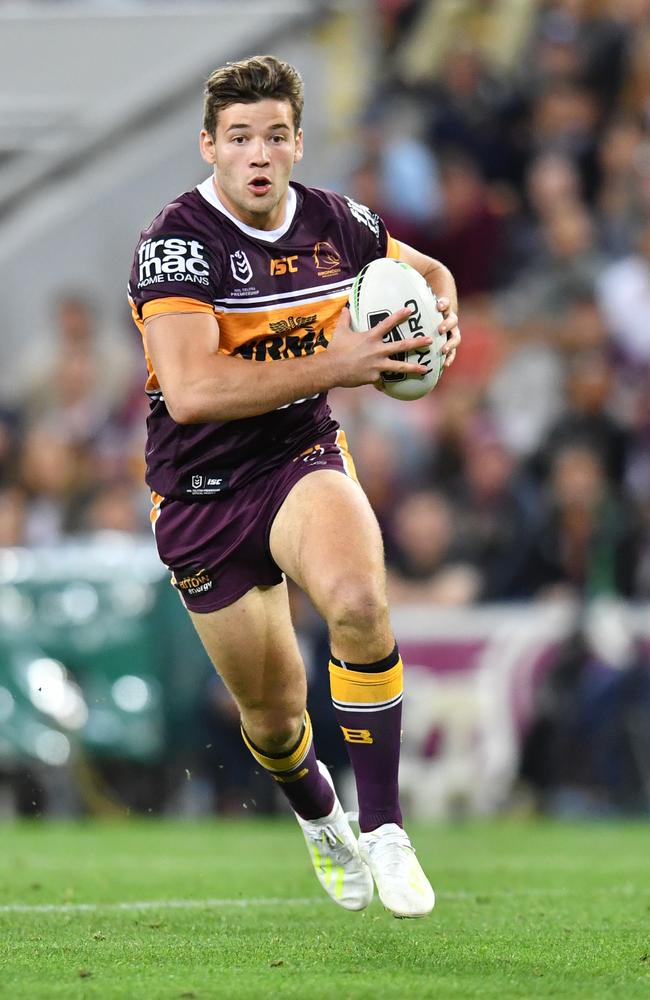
[(231, 909)]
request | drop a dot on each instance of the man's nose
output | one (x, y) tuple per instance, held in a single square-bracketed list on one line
[(259, 153)]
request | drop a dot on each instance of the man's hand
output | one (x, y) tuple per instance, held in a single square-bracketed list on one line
[(449, 326), (360, 358)]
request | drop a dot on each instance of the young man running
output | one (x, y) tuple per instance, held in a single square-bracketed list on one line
[(239, 288)]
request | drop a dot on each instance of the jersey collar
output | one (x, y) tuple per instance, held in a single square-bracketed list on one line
[(207, 189)]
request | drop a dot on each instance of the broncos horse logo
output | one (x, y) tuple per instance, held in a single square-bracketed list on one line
[(327, 259)]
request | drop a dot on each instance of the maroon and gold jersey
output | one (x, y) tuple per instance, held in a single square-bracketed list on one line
[(276, 295)]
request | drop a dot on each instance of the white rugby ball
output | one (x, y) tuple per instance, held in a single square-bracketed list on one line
[(381, 288)]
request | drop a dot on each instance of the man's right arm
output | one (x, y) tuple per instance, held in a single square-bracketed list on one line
[(199, 384)]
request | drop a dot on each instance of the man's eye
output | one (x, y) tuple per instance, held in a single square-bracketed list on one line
[(239, 139), (278, 138)]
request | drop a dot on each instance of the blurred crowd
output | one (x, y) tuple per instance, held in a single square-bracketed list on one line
[(511, 140), (72, 448)]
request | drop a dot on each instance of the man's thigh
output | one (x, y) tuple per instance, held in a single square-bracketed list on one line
[(326, 535), (219, 551), (253, 646)]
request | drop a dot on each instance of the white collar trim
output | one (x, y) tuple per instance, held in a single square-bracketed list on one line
[(207, 189)]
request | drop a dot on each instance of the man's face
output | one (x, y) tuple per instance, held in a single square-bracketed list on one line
[(253, 154)]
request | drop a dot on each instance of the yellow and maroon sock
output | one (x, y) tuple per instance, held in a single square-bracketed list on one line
[(296, 771), (367, 699)]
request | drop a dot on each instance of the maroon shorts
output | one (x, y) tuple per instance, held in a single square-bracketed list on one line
[(217, 550)]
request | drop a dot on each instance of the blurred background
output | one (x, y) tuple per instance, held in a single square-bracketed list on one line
[(511, 140)]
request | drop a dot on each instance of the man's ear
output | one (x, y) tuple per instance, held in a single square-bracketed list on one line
[(207, 146), (297, 156)]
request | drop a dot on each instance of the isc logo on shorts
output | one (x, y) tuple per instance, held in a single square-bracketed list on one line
[(172, 259)]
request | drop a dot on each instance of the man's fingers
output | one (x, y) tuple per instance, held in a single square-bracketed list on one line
[(452, 343), (344, 317), (404, 346), (403, 367), (392, 321), (449, 323)]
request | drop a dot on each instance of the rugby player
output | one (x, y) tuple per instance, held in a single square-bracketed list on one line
[(239, 288)]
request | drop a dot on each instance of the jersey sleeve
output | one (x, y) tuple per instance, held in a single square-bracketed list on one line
[(372, 239), (174, 269)]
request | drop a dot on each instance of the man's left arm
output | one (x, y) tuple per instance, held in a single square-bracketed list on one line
[(441, 281)]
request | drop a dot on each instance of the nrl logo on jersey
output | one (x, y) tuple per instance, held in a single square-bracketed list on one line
[(241, 267)]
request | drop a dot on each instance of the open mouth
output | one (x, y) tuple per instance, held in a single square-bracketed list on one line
[(260, 185)]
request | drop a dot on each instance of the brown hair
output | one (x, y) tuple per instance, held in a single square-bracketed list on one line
[(248, 81)]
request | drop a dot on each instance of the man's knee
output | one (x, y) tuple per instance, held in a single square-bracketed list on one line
[(274, 729), (357, 605)]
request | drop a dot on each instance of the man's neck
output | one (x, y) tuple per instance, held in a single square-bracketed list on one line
[(209, 191)]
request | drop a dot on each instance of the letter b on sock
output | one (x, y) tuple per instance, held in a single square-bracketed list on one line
[(357, 735)]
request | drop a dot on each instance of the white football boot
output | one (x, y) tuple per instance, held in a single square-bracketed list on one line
[(403, 887), (335, 856)]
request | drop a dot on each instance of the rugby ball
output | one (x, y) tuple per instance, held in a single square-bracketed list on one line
[(381, 288)]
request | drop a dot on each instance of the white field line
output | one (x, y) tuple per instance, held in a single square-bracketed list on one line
[(279, 901), (155, 904)]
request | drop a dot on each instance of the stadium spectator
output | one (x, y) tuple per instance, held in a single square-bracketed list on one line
[(55, 478), (569, 261), (525, 396), (586, 752), (551, 181), (77, 331), (587, 420), (628, 280), (13, 506), (10, 425), (424, 568), (588, 539), (470, 230), (496, 509), (622, 161), (472, 112), (636, 88)]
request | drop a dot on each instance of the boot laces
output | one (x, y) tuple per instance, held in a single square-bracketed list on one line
[(398, 849)]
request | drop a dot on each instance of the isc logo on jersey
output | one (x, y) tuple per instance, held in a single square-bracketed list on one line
[(172, 259)]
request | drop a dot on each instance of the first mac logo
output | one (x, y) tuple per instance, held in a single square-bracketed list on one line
[(172, 259)]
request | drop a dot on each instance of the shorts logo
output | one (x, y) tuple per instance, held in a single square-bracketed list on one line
[(357, 735), (206, 485), (194, 582), (241, 267), (327, 260), (172, 259), (363, 215)]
